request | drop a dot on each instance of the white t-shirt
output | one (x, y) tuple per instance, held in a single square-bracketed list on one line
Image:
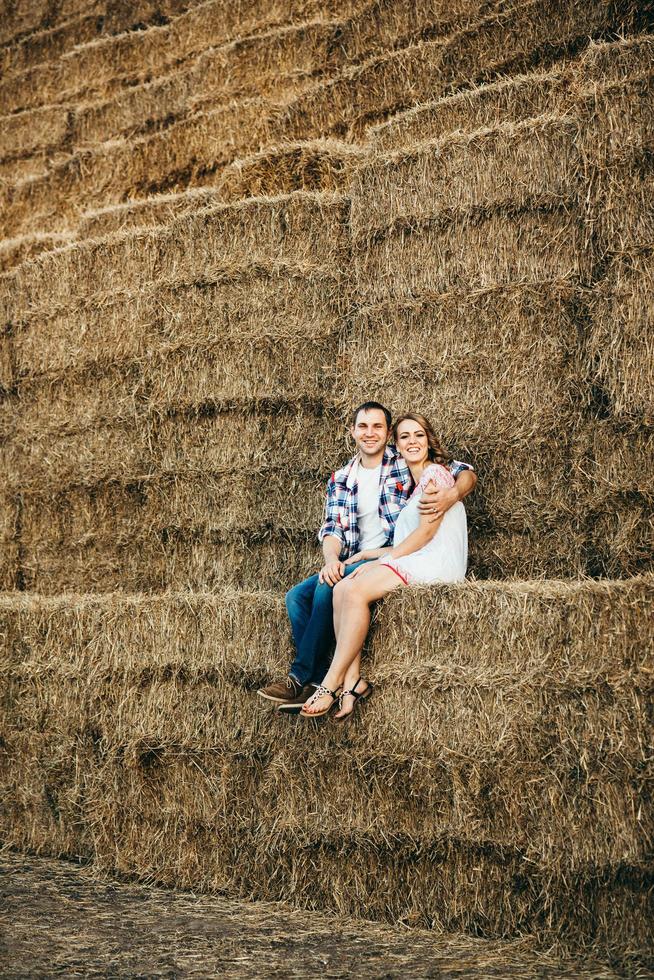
[(371, 531)]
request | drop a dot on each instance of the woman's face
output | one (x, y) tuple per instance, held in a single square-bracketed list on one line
[(412, 442)]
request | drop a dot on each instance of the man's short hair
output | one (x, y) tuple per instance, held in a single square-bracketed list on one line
[(367, 407)]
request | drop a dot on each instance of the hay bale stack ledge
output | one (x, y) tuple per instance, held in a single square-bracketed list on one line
[(222, 226)]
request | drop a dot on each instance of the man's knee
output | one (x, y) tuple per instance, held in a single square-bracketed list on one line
[(300, 596), (292, 599)]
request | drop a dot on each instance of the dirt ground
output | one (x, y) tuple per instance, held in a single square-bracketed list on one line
[(59, 920)]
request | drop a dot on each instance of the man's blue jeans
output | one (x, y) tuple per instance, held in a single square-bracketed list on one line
[(310, 611)]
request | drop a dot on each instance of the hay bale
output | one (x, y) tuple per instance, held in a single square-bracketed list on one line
[(488, 837), (516, 39), (490, 365), (22, 19), (508, 100), (604, 62), (496, 370), (111, 63), (13, 251), (42, 83), (40, 129), (148, 212), (175, 558), (538, 553), (49, 44), (292, 303), (620, 349), (281, 56), (204, 437), (613, 474), (514, 163), (269, 300), (291, 228), (262, 65), (475, 248), (186, 153), (187, 529), (262, 369), (232, 499), (317, 165), (614, 85)]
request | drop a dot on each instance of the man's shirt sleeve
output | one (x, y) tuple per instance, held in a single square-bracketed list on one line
[(456, 467), (331, 525)]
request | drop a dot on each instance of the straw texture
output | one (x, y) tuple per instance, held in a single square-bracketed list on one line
[(453, 796)]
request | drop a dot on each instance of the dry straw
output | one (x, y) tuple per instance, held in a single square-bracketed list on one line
[(108, 63), (48, 44), (620, 345), (41, 129), (321, 165), (513, 39), (41, 82), (208, 437), (154, 52), (495, 370), (474, 248), (175, 558), (496, 364), (614, 473), (155, 698), (21, 169), (291, 302), (511, 163), (13, 251), (292, 228), (509, 100), (172, 530), (358, 96)]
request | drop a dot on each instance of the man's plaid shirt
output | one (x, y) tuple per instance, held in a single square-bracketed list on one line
[(395, 488)]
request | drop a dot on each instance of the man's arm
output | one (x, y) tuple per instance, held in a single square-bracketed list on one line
[(331, 538), (436, 501), (333, 569)]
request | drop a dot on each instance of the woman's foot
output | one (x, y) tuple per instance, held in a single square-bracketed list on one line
[(321, 702), (360, 691)]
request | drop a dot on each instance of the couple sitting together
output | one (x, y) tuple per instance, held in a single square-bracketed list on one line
[(393, 517)]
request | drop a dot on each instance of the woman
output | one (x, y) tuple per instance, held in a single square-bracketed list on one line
[(422, 552)]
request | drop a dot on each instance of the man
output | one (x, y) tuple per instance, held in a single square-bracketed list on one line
[(364, 499)]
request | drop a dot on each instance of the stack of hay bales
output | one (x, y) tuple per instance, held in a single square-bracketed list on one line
[(425, 203), (617, 86), (225, 319), (491, 787)]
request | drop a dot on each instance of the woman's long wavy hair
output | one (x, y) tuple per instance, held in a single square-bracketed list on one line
[(436, 453)]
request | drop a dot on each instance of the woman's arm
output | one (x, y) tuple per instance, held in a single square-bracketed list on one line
[(368, 555), (422, 535)]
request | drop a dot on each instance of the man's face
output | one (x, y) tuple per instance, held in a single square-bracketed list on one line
[(370, 432)]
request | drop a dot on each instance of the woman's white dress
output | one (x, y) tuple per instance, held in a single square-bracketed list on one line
[(445, 557)]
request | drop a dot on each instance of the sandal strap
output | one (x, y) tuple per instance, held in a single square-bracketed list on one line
[(353, 691), (319, 691)]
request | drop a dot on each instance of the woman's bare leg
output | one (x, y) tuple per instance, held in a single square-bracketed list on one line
[(352, 675), (352, 599)]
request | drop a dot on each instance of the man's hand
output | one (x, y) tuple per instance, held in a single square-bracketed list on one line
[(435, 501), (332, 572)]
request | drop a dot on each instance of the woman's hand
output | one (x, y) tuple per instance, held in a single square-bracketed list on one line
[(362, 569), (365, 555)]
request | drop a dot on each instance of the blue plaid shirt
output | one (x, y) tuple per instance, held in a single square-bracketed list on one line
[(395, 488)]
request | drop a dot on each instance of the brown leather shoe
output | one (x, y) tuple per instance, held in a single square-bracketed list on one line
[(286, 692), (295, 705)]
